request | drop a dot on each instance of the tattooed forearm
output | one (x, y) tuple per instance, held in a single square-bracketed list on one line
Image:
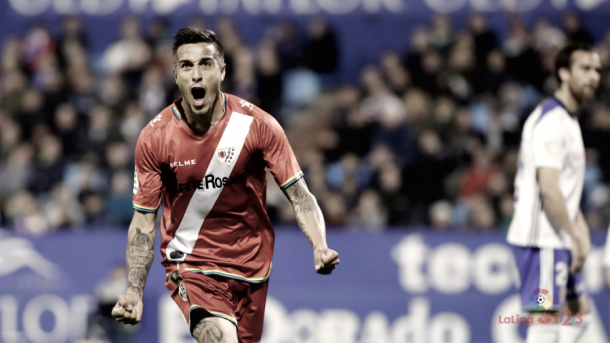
[(300, 196), (140, 253), (207, 331), (307, 212)]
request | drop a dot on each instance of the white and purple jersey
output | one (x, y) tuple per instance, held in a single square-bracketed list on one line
[(551, 138), (607, 250)]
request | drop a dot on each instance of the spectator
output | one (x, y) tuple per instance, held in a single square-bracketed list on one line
[(369, 214), (391, 188), (72, 37), (394, 72), (289, 45), (119, 206), (522, 61), (61, 209), (268, 79), (103, 327), (440, 215), (23, 214), (16, 169), (419, 45), (322, 50), (128, 56), (484, 38), (574, 30), (48, 166), (422, 176), (68, 130)]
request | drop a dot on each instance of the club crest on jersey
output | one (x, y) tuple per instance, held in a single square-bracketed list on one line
[(182, 292), (226, 155)]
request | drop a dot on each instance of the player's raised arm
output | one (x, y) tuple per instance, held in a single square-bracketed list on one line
[(139, 256), (310, 220)]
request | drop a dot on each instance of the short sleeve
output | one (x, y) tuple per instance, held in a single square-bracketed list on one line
[(147, 177), (278, 155), (549, 148)]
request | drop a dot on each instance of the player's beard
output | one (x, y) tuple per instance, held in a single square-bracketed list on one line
[(581, 94)]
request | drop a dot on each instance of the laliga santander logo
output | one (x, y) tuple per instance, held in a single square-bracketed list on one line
[(541, 299)]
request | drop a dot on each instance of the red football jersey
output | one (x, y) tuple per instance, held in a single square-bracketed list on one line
[(213, 188)]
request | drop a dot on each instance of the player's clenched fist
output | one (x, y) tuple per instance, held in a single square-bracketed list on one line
[(325, 260), (128, 309)]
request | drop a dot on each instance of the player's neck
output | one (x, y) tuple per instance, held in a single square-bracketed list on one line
[(201, 124), (568, 100)]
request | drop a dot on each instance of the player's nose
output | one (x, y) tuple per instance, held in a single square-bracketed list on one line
[(196, 76)]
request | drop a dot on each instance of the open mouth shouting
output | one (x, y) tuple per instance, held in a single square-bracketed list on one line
[(198, 94)]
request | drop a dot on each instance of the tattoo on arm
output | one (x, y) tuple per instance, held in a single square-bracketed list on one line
[(207, 331), (140, 253), (299, 195), (303, 202)]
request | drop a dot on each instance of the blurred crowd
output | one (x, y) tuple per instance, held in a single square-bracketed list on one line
[(428, 137)]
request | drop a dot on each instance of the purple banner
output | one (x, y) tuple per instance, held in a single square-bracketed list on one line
[(395, 287)]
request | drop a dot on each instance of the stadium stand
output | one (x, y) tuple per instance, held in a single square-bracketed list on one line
[(428, 136)]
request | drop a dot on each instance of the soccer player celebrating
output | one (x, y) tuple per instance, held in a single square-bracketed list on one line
[(550, 237), (206, 158)]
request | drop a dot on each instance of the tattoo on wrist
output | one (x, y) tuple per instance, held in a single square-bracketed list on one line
[(140, 253)]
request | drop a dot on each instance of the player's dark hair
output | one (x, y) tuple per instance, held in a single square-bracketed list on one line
[(564, 56), (193, 35)]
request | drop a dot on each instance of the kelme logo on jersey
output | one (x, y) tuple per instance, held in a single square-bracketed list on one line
[(226, 155), (541, 299), (210, 181)]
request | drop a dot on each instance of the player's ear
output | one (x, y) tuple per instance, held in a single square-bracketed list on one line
[(564, 75), (223, 71), (175, 75)]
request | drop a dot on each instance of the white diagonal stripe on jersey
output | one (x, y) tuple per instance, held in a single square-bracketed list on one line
[(203, 200)]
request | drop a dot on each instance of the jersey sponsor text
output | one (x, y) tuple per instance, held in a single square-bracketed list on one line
[(211, 181)]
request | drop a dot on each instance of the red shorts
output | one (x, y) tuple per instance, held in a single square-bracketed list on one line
[(242, 303)]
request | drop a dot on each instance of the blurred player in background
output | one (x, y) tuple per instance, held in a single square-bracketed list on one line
[(206, 158), (550, 236), (607, 260)]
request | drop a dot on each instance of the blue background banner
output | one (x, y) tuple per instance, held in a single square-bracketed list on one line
[(361, 25), (395, 287)]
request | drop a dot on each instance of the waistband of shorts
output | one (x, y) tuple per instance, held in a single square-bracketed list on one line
[(186, 267)]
